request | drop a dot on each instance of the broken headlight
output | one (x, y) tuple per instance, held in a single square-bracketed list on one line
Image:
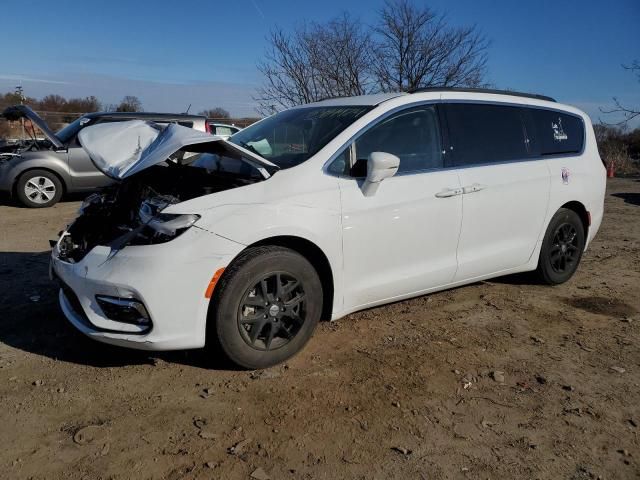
[(162, 227), (170, 224)]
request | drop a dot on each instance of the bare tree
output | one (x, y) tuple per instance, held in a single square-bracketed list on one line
[(86, 105), (129, 103), (315, 62), (628, 113), (216, 112), (614, 144), (341, 55), (53, 103), (416, 48), (13, 98)]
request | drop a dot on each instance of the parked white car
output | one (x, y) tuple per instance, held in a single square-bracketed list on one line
[(221, 129), (320, 211)]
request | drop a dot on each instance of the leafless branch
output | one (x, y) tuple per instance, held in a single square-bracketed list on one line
[(315, 62), (628, 113), (217, 113), (417, 48), (409, 48)]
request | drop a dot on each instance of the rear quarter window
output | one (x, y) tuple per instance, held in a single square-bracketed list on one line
[(555, 132)]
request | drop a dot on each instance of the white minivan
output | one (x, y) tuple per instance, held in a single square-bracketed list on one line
[(322, 210)]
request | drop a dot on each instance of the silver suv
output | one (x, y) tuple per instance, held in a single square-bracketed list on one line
[(38, 171)]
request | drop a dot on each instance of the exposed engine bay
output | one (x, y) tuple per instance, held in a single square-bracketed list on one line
[(155, 166), (7, 150), (130, 213), (33, 143)]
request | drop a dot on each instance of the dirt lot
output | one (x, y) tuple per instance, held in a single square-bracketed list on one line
[(501, 379)]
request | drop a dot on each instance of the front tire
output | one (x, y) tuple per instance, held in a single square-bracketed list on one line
[(562, 247), (38, 189), (266, 307)]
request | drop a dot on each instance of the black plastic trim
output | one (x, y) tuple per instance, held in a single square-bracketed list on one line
[(484, 90)]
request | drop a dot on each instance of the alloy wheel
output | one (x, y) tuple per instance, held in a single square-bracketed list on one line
[(272, 312), (40, 189), (564, 249)]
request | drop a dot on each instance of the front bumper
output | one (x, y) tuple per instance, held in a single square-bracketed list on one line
[(170, 279), (6, 179)]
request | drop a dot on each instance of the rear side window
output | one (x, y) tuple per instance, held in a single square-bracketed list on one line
[(555, 132), (481, 134)]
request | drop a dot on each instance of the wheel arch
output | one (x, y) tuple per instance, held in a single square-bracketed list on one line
[(314, 254), (59, 175), (582, 212)]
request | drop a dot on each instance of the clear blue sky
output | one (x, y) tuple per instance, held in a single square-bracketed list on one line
[(173, 53)]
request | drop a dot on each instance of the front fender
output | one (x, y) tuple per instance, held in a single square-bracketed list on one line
[(12, 169), (251, 223), (248, 224)]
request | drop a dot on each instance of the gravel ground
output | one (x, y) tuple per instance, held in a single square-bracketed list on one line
[(500, 379)]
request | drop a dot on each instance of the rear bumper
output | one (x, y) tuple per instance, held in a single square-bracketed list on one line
[(169, 279), (596, 221), (596, 208)]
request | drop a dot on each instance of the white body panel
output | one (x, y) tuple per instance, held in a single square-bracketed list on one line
[(400, 242), (402, 239), (503, 216)]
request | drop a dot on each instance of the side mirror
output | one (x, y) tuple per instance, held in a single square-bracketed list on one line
[(381, 165)]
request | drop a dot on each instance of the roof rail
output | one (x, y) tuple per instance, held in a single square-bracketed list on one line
[(483, 90)]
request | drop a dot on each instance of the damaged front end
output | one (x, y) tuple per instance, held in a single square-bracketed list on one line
[(156, 167)]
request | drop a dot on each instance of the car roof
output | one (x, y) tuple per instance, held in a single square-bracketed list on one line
[(360, 100), (145, 115), (443, 92)]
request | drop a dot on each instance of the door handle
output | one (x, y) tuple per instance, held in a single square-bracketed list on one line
[(475, 187), (449, 192)]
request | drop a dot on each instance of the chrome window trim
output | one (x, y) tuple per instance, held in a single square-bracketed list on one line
[(394, 110)]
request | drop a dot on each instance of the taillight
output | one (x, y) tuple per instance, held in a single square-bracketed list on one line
[(207, 127)]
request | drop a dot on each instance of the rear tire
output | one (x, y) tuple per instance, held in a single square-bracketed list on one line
[(562, 247), (38, 189), (265, 307)]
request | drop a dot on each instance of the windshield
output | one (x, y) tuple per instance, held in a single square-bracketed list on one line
[(67, 133), (291, 137)]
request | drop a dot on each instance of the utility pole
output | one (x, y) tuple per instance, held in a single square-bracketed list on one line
[(20, 93)]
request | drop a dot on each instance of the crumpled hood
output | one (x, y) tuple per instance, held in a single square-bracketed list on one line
[(122, 149)]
